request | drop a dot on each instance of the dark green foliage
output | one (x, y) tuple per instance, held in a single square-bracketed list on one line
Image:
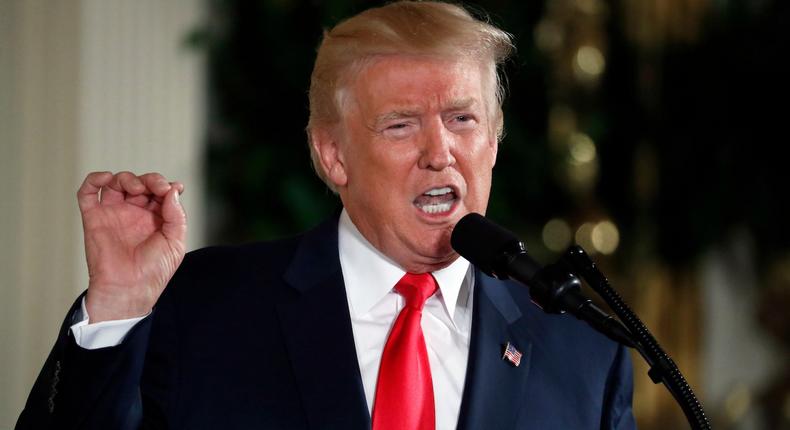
[(713, 115)]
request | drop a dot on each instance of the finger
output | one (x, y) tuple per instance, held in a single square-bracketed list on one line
[(156, 183), (88, 193), (154, 206), (141, 201), (127, 182), (174, 225), (179, 186), (155, 203), (122, 183)]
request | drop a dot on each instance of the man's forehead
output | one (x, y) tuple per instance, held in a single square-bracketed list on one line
[(414, 109), (398, 86), (455, 81)]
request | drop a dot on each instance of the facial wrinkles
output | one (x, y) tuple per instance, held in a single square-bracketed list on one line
[(384, 178), (440, 105), (344, 97)]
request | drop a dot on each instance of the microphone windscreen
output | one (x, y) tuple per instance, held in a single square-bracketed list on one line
[(482, 242)]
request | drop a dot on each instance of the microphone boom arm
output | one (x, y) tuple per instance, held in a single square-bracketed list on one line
[(556, 289), (662, 368)]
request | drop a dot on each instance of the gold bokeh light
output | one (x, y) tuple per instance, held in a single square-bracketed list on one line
[(605, 237), (556, 235), (584, 238), (582, 149), (588, 63)]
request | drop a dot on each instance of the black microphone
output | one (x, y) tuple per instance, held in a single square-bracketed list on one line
[(554, 288)]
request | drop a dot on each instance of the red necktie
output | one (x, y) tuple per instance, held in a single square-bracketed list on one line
[(404, 391)]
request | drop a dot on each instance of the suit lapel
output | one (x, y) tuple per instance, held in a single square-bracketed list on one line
[(316, 325), (317, 329), (493, 393)]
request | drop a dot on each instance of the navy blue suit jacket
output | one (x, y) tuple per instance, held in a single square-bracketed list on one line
[(259, 337)]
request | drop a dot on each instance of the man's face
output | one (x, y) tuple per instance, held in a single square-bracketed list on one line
[(414, 152)]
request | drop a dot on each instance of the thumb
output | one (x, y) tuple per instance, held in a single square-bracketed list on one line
[(174, 225)]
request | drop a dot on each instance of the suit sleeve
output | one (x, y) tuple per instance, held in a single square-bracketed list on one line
[(89, 389), (618, 412)]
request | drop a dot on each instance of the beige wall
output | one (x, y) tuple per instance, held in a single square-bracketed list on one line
[(84, 85)]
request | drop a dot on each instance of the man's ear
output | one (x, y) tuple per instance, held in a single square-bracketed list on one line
[(499, 133), (494, 149), (326, 144)]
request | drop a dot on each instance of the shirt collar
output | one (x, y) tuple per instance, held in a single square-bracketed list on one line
[(369, 275)]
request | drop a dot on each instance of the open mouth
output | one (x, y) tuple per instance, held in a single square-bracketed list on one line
[(436, 200)]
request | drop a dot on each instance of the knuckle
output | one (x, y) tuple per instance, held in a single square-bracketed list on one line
[(150, 176), (127, 178), (124, 175)]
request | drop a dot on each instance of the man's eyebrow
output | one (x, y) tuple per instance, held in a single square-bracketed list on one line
[(461, 103), (407, 113), (397, 114)]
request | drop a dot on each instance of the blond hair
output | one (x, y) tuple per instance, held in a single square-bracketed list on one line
[(427, 28)]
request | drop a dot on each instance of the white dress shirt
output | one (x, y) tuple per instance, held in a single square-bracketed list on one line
[(101, 334), (373, 304)]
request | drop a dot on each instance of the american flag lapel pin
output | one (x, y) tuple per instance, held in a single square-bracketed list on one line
[(512, 354)]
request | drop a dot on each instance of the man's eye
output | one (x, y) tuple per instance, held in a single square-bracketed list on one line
[(463, 118), (462, 122), (399, 130)]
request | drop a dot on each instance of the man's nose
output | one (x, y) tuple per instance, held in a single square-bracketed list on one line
[(437, 148)]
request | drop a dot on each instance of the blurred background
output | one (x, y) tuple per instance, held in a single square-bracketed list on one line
[(651, 132)]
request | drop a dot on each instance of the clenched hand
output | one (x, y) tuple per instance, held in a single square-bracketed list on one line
[(135, 229)]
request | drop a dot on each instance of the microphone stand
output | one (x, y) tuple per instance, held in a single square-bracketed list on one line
[(555, 288), (662, 368)]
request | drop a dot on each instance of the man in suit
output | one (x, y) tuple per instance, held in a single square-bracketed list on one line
[(369, 320)]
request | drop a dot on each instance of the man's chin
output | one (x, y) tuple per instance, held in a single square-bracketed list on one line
[(430, 264), (436, 257)]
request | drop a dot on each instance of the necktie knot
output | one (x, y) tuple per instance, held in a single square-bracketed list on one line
[(416, 288)]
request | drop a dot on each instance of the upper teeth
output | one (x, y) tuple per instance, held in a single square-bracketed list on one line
[(438, 191)]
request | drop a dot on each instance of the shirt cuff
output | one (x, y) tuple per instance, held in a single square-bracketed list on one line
[(102, 334)]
